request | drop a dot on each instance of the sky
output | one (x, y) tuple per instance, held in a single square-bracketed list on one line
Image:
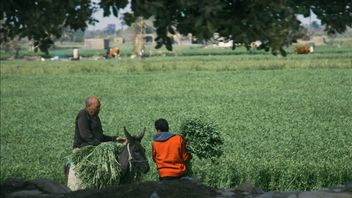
[(307, 20), (104, 21)]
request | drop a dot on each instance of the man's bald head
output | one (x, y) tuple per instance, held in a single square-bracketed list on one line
[(91, 99), (93, 105)]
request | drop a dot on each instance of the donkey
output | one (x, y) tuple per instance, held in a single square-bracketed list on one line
[(132, 158)]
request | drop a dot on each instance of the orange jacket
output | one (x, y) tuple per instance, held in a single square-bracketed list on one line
[(169, 154)]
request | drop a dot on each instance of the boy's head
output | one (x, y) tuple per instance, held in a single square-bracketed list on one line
[(161, 125)]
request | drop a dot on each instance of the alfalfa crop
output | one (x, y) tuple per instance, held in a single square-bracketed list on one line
[(202, 137), (98, 166)]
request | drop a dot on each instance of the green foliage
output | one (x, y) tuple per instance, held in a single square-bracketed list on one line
[(79, 154), (43, 21), (272, 22), (97, 166), (202, 137)]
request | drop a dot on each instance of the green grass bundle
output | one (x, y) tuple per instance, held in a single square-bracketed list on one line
[(98, 166), (202, 137)]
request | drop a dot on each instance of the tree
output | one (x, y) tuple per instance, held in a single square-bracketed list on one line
[(44, 20), (13, 47), (71, 36), (244, 21), (138, 36)]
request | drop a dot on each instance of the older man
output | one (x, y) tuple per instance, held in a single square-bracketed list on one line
[(88, 131)]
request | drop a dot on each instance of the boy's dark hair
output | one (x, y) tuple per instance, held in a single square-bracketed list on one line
[(162, 125)]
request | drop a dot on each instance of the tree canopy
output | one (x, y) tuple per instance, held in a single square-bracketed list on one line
[(243, 21)]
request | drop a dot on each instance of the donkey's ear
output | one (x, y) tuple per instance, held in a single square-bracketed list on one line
[(127, 134), (140, 136)]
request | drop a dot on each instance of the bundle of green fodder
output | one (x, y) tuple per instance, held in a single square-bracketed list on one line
[(98, 166), (202, 137)]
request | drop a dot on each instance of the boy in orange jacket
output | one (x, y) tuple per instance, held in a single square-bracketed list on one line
[(169, 152)]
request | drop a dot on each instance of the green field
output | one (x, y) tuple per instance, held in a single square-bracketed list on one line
[(286, 122)]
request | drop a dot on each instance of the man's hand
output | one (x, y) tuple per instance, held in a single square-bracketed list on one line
[(121, 140)]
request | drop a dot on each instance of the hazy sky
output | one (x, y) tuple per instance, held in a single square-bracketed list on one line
[(307, 19), (104, 21)]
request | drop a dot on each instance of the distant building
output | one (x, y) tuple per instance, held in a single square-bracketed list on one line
[(118, 40), (96, 43)]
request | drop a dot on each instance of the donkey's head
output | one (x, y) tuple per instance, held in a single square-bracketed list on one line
[(132, 158)]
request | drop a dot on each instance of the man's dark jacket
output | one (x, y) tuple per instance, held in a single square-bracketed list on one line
[(88, 130)]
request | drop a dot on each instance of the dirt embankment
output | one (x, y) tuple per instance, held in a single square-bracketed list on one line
[(153, 189)]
